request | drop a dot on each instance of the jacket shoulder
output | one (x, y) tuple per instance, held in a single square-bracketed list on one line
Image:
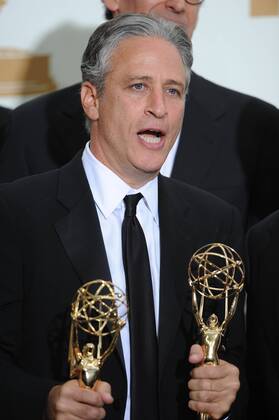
[(264, 231), (197, 197), (34, 188), (68, 180), (63, 98), (205, 91)]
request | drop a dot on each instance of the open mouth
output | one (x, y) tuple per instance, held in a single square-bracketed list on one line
[(151, 136)]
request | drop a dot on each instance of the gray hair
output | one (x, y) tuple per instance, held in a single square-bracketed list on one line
[(102, 43)]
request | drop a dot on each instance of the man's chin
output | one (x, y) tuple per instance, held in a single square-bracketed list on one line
[(148, 171)]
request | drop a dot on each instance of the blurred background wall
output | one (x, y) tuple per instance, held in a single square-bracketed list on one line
[(236, 44)]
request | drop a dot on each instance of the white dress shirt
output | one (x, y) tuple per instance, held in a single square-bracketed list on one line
[(108, 192)]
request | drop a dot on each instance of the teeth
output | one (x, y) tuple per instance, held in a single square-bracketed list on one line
[(150, 138)]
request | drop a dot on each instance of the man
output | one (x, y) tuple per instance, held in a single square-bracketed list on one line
[(63, 228), (227, 144), (262, 319)]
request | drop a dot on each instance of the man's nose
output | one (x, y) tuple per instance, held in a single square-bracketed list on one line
[(175, 6), (156, 104)]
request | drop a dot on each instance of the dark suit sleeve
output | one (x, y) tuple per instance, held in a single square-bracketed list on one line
[(22, 395), (263, 319)]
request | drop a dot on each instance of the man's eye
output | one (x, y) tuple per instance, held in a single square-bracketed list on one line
[(173, 92), (138, 86)]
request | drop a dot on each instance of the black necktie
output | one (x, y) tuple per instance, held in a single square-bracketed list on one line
[(143, 340)]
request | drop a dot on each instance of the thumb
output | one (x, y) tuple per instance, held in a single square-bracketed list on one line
[(104, 389), (196, 355)]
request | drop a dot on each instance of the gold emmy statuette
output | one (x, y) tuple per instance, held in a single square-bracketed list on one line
[(98, 314), (215, 272)]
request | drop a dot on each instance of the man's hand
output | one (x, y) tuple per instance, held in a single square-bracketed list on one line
[(212, 388), (71, 402)]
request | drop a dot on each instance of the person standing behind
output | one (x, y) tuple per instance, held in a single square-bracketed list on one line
[(228, 143)]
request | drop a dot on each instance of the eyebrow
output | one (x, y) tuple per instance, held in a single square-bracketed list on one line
[(148, 78)]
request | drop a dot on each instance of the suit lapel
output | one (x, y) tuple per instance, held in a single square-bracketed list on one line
[(198, 144), (175, 294), (80, 231)]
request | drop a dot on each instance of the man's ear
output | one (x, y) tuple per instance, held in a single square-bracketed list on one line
[(90, 101), (112, 5)]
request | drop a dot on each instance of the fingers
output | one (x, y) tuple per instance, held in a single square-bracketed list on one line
[(69, 401), (222, 370), (65, 409), (72, 390), (212, 389)]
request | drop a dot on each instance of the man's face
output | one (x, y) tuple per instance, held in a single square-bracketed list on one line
[(139, 114), (178, 11)]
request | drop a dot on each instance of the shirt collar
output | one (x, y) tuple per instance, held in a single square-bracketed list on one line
[(108, 189)]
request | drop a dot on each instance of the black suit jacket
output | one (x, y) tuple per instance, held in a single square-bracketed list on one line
[(263, 319), (229, 143), (51, 243)]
